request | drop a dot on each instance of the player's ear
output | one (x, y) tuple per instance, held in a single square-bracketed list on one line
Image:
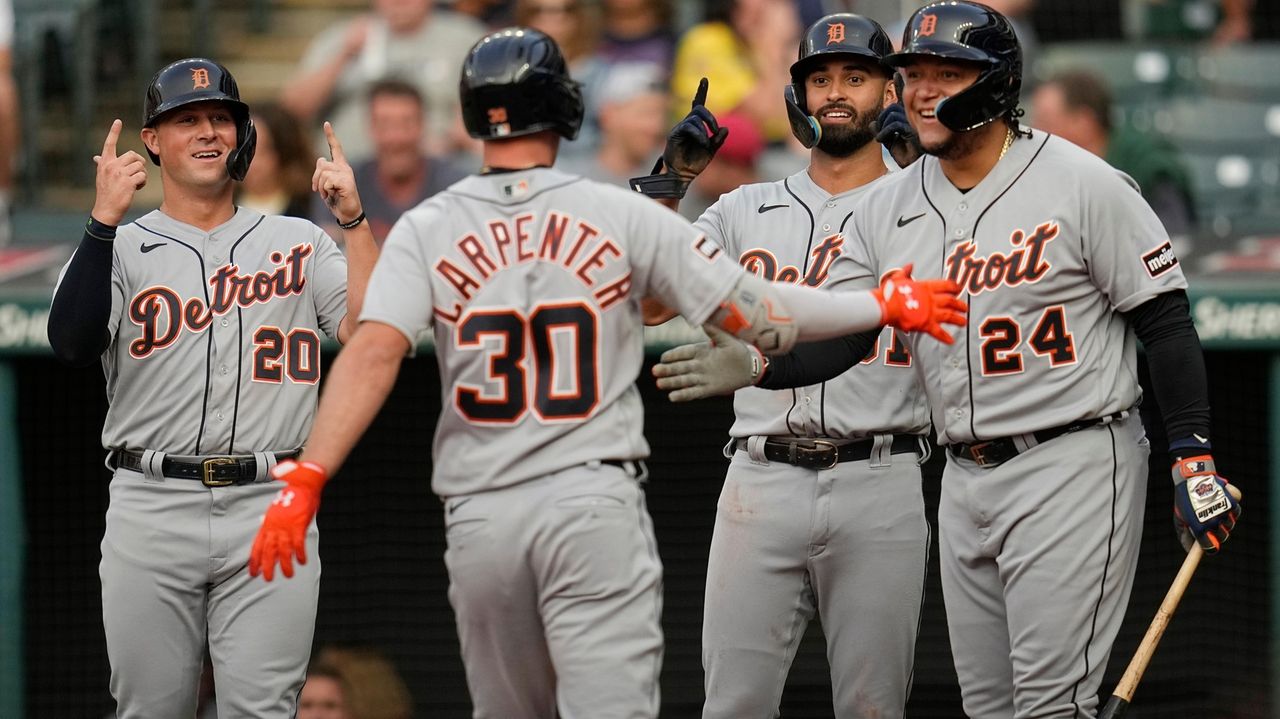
[(890, 92), (150, 140)]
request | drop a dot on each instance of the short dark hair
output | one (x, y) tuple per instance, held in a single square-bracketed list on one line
[(394, 87), (1085, 89)]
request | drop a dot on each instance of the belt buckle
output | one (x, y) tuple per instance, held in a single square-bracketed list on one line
[(977, 452), (207, 468), (835, 452)]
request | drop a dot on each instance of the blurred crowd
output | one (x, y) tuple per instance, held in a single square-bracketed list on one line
[(387, 79)]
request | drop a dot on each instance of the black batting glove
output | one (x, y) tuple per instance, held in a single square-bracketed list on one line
[(693, 142), (895, 133)]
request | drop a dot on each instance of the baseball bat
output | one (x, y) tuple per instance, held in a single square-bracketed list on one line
[(1118, 704)]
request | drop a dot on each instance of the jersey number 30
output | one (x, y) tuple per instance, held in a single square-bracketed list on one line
[(566, 381)]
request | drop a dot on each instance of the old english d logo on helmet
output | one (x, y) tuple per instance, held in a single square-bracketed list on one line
[(831, 36), (973, 33), (199, 79)]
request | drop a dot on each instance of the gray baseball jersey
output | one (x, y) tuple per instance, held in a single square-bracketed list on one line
[(786, 536), (215, 350), (1051, 247), (792, 231), (1046, 276), (216, 335), (532, 283)]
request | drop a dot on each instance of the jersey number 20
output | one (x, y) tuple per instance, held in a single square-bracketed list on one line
[(572, 321)]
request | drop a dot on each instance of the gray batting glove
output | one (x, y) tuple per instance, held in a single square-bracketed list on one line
[(708, 369)]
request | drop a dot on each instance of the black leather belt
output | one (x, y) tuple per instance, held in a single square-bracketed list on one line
[(219, 471), (824, 453), (992, 452)]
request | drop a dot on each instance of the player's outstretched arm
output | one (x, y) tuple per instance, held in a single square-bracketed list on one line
[(81, 306), (358, 384), (726, 364), (773, 316), (336, 183)]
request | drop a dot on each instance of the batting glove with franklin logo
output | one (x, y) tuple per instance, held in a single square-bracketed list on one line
[(283, 534), (1203, 509)]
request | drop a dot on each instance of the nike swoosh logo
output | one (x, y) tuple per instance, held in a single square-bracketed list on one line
[(903, 220), (147, 248), (453, 507), (1203, 440), (765, 208)]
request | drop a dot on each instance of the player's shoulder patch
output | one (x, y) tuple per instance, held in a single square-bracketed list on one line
[(1160, 260)]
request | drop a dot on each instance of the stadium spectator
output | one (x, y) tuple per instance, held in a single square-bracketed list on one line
[(638, 31), (324, 694), (744, 49), (736, 164), (575, 26), (1076, 105), (8, 120), (404, 39), (493, 13), (400, 174), (279, 179), (354, 683), (633, 125)]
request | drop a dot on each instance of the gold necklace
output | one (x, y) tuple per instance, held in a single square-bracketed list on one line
[(1008, 140)]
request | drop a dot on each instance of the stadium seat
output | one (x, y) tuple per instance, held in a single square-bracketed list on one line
[(1240, 72), (1213, 125), (1137, 74), (1235, 192)]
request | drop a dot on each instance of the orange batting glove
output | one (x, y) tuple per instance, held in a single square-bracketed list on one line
[(920, 305), (283, 534)]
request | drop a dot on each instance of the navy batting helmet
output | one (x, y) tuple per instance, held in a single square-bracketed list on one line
[(974, 32), (838, 34), (198, 79), (515, 82)]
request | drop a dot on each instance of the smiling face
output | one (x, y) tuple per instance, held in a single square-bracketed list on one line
[(928, 80), (846, 94), (193, 142)]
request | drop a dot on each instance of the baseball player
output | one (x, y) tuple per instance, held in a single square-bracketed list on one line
[(822, 510), (531, 279), (1064, 266), (207, 319)]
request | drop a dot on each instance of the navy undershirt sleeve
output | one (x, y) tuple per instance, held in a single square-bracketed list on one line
[(82, 305), (813, 362), (1163, 325)]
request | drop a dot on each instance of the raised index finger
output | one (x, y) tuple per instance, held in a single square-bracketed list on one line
[(109, 146), (700, 97), (335, 147)]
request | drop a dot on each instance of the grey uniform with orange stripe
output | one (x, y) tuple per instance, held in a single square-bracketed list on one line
[(214, 351), (844, 537), (531, 281), (1043, 494)]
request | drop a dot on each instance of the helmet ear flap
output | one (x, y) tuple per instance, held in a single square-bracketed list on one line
[(803, 125), (246, 143)]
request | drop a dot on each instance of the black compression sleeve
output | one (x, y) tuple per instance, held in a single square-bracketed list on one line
[(1163, 325), (82, 304), (814, 362)]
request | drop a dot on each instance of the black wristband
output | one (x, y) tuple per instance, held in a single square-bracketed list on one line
[(99, 230), (352, 224)]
